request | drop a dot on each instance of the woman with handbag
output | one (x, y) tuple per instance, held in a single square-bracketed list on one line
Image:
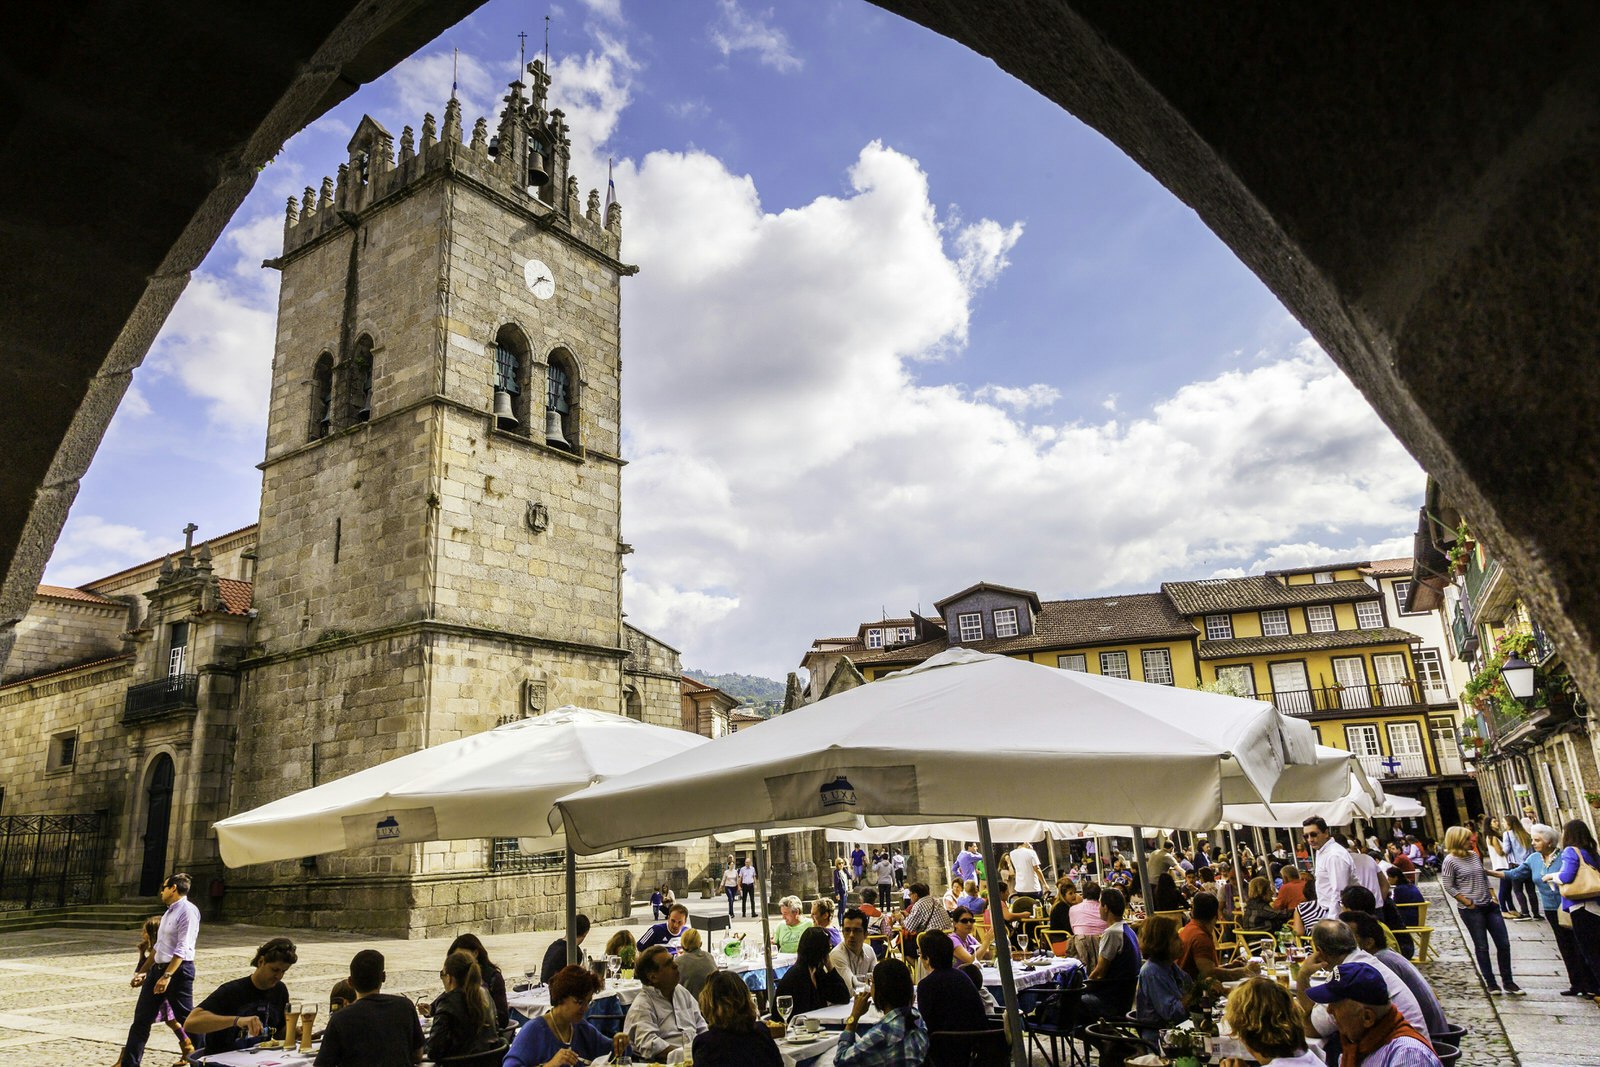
[(1578, 876), (1546, 859)]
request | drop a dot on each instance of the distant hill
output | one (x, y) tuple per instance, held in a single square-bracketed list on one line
[(764, 693)]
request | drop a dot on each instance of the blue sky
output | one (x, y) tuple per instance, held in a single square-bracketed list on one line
[(902, 324)]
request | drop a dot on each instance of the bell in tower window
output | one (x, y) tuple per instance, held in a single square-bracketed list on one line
[(558, 405)]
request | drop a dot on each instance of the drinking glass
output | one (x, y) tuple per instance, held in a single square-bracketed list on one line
[(785, 1008), (613, 966), (308, 1025)]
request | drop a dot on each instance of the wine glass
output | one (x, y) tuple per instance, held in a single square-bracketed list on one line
[(1022, 939), (785, 1009), (613, 965)]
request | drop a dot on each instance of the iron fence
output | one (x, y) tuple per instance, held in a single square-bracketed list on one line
[(507, 855), (52, 860)]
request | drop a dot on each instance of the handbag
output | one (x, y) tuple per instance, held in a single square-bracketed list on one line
[(1585, 885)]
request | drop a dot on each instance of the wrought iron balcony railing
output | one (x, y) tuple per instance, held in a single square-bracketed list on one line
[(1346, 698), (172, 693)]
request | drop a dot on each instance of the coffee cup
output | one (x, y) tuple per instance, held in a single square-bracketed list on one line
[(813, 1026)]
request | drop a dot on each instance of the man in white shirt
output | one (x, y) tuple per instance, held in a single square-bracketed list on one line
[(1158, 860), (1365, 871), (1025, 862), (665, 1016), (852, 956), (1335, 868), (170, 979), (747, 889)]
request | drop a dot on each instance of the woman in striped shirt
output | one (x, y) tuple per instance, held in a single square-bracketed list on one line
[(1464, 878)]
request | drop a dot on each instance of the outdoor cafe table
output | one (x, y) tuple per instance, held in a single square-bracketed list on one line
[(753, 969), (1047, 970), (529, 1004), (256, 1057)]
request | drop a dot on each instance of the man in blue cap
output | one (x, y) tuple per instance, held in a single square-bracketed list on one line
[(1372, 1032)]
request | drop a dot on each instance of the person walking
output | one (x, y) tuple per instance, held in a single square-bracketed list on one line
[(1516, 887), (841, 884), (1580, 859), (169, 981), (1543, 860), (1464, 878), (747, 889), (730, 883), (883, 871)]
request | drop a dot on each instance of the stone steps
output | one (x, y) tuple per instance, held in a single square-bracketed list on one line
[(80, 917)]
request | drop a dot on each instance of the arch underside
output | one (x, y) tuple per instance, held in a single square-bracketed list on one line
[(1416, 184)]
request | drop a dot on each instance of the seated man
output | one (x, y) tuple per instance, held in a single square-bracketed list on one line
[(669, 933), (1371, 1030), (248, 1010), (1369, 935), (378, 1030), (555, 957), (1116, 968), (853, 957), (946, 998), (970, 899), (1198, 958), (1332, 944), (665, 1016), (786, 935), (900, 1038)]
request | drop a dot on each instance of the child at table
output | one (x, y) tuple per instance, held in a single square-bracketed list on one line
[(147, 951)]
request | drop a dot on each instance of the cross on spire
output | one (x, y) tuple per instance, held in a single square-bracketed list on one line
[(188, 538)]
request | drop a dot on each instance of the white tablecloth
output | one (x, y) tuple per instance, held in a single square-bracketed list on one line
[(259, 1058), (834, 1015), (532, 1003), (805, 1055), (1044, 973)]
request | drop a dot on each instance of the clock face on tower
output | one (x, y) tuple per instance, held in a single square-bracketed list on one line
[(540, 278)]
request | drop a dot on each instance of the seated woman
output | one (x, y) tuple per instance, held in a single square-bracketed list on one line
[(695, 964), (621, 946), (463, 1018), (1168, 896), (967, 946), (248, 1010), (494, 983), (822, 919), (1308, 912), (734, 1035), (1159, 1002), (1259, 914), (562, 1027), (342, 995), (1270, 1024), (812, 981)]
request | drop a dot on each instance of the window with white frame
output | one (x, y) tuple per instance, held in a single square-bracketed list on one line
[(902, 634), (1114, 664), (1275, 623), (1323, 577), (1073, 661), (1402, 590), (1157, 665), (1430, 673), (874, 638), (1005, 622), (970, 625), (1362, 740), (1219, 627), (1239, 679), (1369, 614), (1319, 619)]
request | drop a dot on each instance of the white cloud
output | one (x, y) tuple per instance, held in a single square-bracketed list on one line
[(218, 344), (422, 86), (91, 548), (1110, 402), (740, 31), (791, 473), (610, 10), (1019, 399), (593, 89), (1314, 553)]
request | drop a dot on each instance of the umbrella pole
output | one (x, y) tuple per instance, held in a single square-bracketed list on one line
[(1002, 950), (1050, 854), (572, 908), (1142, 875), (1238, 870), (766, 922)]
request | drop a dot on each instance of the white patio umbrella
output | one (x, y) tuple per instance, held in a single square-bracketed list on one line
[(962, 735), (500, 783)]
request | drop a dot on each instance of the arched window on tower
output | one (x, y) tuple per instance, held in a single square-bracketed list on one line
[(561, 401), (358, 382), (322, 397), (511, 367)]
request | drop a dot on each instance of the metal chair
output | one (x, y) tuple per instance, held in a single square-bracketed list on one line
[(968, 1048), (1448, 1054), (487, 1058), (1116, 1041)]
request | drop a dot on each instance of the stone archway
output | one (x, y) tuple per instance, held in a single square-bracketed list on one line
[(1418, 186)]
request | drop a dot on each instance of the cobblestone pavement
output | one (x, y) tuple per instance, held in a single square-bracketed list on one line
[(1538, 1030), (65, 1000)]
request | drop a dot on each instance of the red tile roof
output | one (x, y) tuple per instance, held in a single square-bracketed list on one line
[(1259, 591), (61, 592), (1397, 566), (236, 595), (86, 665)]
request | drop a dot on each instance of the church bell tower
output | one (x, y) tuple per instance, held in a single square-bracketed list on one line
[(439, 541)]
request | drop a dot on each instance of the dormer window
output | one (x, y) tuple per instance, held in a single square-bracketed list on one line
[(970, 625), (902, 635), (874, 638), (1219, 627), (1369, 614), (1319, 619), (1005, 622), (1323, 577)]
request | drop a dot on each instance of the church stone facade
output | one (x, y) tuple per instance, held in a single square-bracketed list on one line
[(439, 547)]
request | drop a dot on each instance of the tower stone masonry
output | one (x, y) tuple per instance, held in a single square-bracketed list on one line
[(440, 514)]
